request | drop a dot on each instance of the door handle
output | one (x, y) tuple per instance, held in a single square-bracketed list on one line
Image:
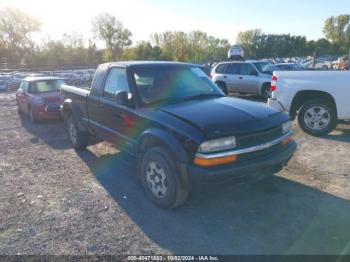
[(225, 77), (240, 77)]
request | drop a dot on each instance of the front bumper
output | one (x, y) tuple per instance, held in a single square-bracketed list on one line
[(258, 167)]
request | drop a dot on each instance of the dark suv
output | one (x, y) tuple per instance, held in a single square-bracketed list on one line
[(179, 126)]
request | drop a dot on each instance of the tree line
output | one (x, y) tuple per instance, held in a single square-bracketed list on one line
[(18, 46)]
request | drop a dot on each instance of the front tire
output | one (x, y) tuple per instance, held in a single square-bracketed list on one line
[(317, 117), (160, 180), (79, 139)]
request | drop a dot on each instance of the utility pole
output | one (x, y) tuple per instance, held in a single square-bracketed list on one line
[(314, 58)]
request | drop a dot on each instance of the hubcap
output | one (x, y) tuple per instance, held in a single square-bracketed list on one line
[(72, 133), (156, 179), (317, 118)]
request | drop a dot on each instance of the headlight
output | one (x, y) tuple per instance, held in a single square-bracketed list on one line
[(286, 127), (38, 101), (216, 145)]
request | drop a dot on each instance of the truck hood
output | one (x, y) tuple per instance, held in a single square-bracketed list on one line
[(226, 116)]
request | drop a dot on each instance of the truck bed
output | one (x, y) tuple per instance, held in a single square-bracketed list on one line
[(78, 96)]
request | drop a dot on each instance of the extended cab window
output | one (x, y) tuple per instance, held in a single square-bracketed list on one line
[(116, 81)]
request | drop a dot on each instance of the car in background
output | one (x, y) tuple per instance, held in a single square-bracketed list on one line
[(235, 52), (319, 64), (341, 64), (3, 83), (39, 97), (249, 77), (290, 67)]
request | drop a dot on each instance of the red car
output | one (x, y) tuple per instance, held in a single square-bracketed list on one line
[(39, 97)]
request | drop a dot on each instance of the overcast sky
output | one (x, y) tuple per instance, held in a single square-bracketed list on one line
[(221, 18)]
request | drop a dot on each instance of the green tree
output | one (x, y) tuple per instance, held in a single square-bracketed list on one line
[(110, 30), (196, 46), (143, 51), (337, 30)]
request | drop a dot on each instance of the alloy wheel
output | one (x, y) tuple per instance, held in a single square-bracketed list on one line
[(156, 179)]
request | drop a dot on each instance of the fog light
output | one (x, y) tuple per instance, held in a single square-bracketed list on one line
[(214, 161)]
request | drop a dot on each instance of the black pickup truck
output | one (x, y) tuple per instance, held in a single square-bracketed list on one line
[(179, 126)]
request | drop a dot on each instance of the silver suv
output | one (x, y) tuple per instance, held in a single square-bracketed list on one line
[(249, 77)]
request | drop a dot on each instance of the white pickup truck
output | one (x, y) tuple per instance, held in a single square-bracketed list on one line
[(319, 99)]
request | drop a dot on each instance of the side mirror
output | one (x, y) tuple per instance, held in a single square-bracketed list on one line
[(121, 97)]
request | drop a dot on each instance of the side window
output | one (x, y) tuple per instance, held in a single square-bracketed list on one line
[(221, 69), (247, 69), (116, 81), (233, 69), (24, 86)]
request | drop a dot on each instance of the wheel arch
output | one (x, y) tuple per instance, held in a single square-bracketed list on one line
[(158, 137), (302, 96), (67, 110), (263, 86)]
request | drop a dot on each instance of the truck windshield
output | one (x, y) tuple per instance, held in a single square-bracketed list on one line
[(173, 84), (46, 86)]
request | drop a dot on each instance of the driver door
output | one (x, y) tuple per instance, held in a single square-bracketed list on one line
[(115, 119)]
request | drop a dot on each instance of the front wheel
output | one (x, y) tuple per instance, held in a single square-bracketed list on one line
[(78, 138), (317, 117), (159, 179)]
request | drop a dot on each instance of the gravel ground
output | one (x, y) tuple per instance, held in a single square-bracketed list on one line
[(55, 201)]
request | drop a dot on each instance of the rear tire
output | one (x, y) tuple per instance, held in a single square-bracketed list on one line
[(265, 91), (79, 139), (223, 87), (159, 179), (317, 117)]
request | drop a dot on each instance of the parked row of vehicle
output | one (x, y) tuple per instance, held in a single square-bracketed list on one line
[(318, 99), (12, 80), (320, 63), (180, 125)]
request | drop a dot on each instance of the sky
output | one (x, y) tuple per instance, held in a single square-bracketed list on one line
[(220, 18)]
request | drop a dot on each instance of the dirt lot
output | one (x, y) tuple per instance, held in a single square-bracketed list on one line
[(55, 201)]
